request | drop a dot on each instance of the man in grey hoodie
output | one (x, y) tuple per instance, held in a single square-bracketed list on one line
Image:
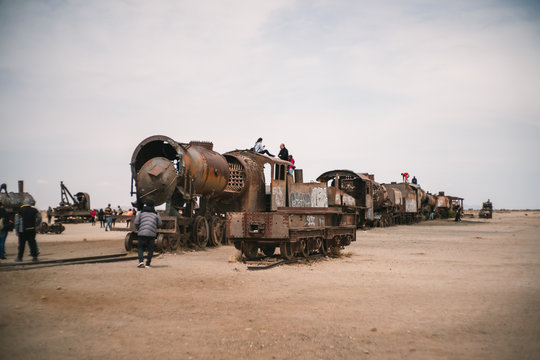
[(147, 222)]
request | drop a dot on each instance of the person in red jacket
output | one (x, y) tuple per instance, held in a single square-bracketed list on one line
[(405, 176)]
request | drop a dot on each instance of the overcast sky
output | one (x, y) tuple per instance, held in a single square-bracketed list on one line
[(446, 90)]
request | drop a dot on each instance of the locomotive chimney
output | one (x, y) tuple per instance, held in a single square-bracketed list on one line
[(21, 186), (298, 175)]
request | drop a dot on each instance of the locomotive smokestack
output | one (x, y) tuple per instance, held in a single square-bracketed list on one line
[(298, 176), (21, 186)]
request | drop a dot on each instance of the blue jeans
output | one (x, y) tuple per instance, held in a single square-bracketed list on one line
[(3, 236), (108, 223)]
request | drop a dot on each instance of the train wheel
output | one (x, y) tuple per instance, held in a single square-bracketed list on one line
[(217, 230), (325, 248), (286, 251), (268, 250), (174, 242), (345, 240), (162, 243), (250, 250), (303, 248), (128, 241), (200, 231), (43, 228)]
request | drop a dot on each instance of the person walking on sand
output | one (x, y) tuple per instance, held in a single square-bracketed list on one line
[(101, 217), (26, 222), (5, 225), (49, 215), (147, 222), (108, 215)]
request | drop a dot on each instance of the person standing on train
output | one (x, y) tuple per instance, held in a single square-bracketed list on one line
[(147, 222), (283, 153)]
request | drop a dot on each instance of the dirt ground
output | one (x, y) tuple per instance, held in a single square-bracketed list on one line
[(435, 290)]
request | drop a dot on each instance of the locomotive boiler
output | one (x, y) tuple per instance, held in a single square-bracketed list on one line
[(12, 201), (187, 177)]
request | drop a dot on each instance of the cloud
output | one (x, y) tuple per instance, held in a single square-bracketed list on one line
[(442, 88)]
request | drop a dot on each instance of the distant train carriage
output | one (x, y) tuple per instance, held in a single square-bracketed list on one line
[(411, 197)]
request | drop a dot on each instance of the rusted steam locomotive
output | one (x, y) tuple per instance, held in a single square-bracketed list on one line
[(388, 204), (241, 197), (12, 201)]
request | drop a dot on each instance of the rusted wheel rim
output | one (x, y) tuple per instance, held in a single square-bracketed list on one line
[(324, 247), (43, 228), (285, 250), (160, 243), (128, 241), (174, 242), (200, 231), (303, 248)]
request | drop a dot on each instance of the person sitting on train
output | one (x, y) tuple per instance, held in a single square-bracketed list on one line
[(259, 148), (414, 181)]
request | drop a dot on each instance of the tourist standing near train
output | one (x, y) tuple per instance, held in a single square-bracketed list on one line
[(147, 222), (108, 215), (26, 222), (5, 226)]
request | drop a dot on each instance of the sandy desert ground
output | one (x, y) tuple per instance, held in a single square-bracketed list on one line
[(435, 290)]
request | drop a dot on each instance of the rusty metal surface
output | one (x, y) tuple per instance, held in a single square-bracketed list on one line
[(409, 196), (289, 224), (159, 165), (443, 202), (12, 201), (247, 189), (156, 180), (208, 169)]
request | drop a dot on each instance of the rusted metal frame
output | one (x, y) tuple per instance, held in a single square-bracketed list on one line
[(64, 192), (310, 210)]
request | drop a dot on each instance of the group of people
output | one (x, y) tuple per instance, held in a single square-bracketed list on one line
[(107, 217), (26, 222), (405, 176), (283, 154)]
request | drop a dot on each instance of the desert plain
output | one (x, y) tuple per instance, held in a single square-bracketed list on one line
[(433, 290)]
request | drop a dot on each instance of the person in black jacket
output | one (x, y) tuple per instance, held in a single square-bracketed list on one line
[(5, 226), (147, 222), (283, 153), (26, 223)]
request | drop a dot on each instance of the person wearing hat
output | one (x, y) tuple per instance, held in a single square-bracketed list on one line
[(147, 222), (26, 222)]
